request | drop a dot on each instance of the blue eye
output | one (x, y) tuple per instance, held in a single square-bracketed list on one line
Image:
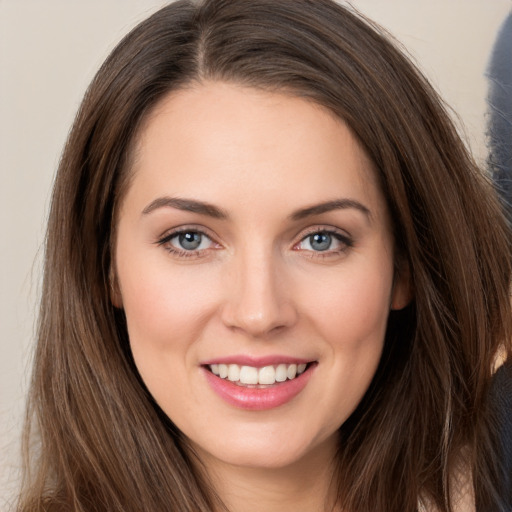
[(320, 241), (325, 241), (189, 241)]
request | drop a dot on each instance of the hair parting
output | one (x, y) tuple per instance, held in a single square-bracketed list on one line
[(104, 444)]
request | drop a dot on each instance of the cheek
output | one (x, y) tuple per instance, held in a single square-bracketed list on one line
[(351, 307), (350, 312), (166, 309)]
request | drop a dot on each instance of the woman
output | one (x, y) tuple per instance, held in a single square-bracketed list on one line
[(274, 278)]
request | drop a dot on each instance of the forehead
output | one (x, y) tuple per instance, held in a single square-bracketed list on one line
[(216, 138)]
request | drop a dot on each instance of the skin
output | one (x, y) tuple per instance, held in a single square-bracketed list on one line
[(256, 286)]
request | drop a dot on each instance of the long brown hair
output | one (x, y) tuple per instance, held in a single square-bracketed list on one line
[(104, 444)]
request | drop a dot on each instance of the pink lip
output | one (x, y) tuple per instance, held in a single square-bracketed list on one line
[(258, 399), (257, 362)]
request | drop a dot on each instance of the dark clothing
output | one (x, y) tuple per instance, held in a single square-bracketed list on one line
[(501, 410)]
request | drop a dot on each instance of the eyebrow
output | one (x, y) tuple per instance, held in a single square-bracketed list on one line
[(336, 204), (203, 208), (188, 205)]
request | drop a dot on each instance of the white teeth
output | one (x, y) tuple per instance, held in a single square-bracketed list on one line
[(249, 375), (223, 371), (292, 371), (281, 373), (233, 372), (266, 375)]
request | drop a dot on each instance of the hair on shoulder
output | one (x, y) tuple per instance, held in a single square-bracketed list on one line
[(104, 443)]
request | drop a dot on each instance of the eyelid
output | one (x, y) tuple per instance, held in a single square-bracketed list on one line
[(341, 235), (185, 228), (164, 241), (323, 228)]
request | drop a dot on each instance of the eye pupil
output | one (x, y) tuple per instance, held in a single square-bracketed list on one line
[(190, 240), (320, 241)]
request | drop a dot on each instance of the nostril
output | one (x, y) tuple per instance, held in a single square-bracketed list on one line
[(258, 321)]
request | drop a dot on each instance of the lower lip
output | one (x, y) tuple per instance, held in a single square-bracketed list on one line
[(258, 399)]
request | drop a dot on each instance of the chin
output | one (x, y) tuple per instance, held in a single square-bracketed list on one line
[(267, 450)]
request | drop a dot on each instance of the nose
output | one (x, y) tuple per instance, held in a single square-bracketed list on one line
[(258, 300)]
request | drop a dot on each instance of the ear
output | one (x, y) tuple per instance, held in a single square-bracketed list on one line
[(114, 291), (402, 292)]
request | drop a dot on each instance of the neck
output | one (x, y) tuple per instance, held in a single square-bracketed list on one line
[(306, 485)]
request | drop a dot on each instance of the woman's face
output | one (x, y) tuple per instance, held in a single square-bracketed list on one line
[(254, 262)]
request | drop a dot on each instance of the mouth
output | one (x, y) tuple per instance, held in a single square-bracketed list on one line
[(243, 375), (258, 388)]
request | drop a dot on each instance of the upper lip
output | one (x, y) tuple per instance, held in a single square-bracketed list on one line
[(257, 362)]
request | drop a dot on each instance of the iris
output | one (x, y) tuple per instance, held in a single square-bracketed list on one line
[(320, 241)]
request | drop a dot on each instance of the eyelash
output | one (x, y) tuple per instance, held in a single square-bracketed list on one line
[(345, 240), (341, 237), (166, 239)]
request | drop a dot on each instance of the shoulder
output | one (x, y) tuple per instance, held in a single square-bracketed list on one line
[(500, 406), (500, 411)]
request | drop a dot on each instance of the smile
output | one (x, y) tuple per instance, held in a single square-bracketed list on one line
[(250, 375), (258, 388)]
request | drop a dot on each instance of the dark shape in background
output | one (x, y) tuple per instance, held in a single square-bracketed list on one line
[(499, 134), (499, 129)]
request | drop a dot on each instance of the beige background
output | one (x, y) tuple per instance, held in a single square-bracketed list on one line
[(49, 51)]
